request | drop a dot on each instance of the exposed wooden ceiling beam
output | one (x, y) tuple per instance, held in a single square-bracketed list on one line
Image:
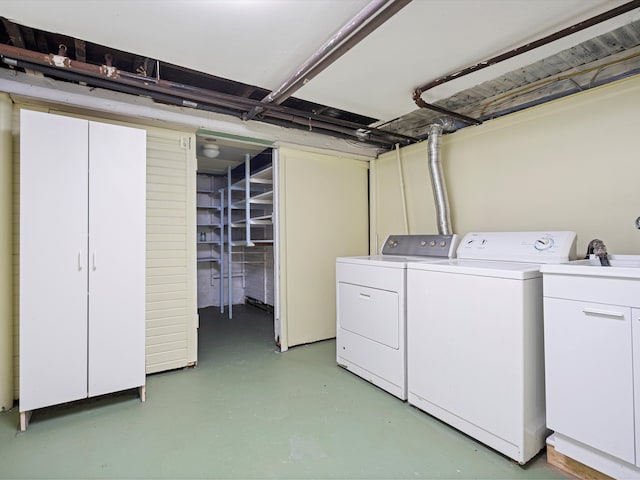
[(80, 48), (17, 40)]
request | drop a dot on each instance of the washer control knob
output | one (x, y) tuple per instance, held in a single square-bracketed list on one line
[(543, 243), (393, 243), (423, 243), (432, 243), (443, 243)]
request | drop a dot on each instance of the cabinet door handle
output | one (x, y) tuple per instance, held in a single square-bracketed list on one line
[(95, 263), (364, 296), (603, 313), (79, 261)]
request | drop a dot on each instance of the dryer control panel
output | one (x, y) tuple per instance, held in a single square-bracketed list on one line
[(421, 245), (533, 247)]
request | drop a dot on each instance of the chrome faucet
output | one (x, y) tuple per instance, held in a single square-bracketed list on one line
[(599, 249)]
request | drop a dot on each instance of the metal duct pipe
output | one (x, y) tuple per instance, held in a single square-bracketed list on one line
[(437, 180)]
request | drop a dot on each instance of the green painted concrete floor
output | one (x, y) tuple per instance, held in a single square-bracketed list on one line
[(248, 412)]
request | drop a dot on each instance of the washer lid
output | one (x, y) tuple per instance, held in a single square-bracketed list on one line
[(483, 268)]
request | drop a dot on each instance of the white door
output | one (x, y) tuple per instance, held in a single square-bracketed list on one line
[(117, 157), (53, 259), (323, 214), (465, 353), (589, 377)]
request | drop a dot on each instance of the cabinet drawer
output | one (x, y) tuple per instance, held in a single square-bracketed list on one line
[(609, 290)]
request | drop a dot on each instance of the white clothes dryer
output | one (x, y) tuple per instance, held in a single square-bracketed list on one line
[(475, 337), (371, 308)]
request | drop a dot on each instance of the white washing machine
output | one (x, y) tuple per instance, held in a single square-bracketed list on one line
[(475, 337), (371, 308)]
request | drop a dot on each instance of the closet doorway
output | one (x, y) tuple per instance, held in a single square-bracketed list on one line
[(235, 187)]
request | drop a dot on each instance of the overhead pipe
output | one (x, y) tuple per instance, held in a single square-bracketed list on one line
[(609, 14), (189, 96), (437, 180), (329, 52), (274, 118), (351, 42)]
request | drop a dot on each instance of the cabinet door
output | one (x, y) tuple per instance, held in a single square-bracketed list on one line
[(116, 257), (53, 259), (589, 378), (635, 321)]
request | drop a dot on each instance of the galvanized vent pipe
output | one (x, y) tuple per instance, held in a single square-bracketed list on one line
[(437, 180)]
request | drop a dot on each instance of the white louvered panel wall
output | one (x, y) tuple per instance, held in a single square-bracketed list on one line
[(170, 246), (171, 312)]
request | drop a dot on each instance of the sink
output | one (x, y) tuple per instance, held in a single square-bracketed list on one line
[(628, 261), (622, 266)]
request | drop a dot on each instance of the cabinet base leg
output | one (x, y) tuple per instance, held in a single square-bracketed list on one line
[(24, 420), (143, 393)]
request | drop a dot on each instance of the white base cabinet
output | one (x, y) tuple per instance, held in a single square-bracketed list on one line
[(592, 366), (589, 378), (82, 259)]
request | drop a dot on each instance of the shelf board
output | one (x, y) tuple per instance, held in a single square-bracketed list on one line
[(209, 225), (263, 242), (209, 259), (248, 262), (208, 207), (264, 176), (252, 243), (262, 220), (217, 242), (265, 198), (205, 191)]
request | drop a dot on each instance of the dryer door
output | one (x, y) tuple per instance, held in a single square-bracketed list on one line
[(370, 312)]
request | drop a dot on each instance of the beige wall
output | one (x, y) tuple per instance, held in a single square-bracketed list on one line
[(322, 210), (572, 164)]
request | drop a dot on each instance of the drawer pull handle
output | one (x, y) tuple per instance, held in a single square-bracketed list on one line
[(364, 296), (603, 313)]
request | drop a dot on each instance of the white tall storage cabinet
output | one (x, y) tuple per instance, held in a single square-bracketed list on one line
[(82, 259)]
